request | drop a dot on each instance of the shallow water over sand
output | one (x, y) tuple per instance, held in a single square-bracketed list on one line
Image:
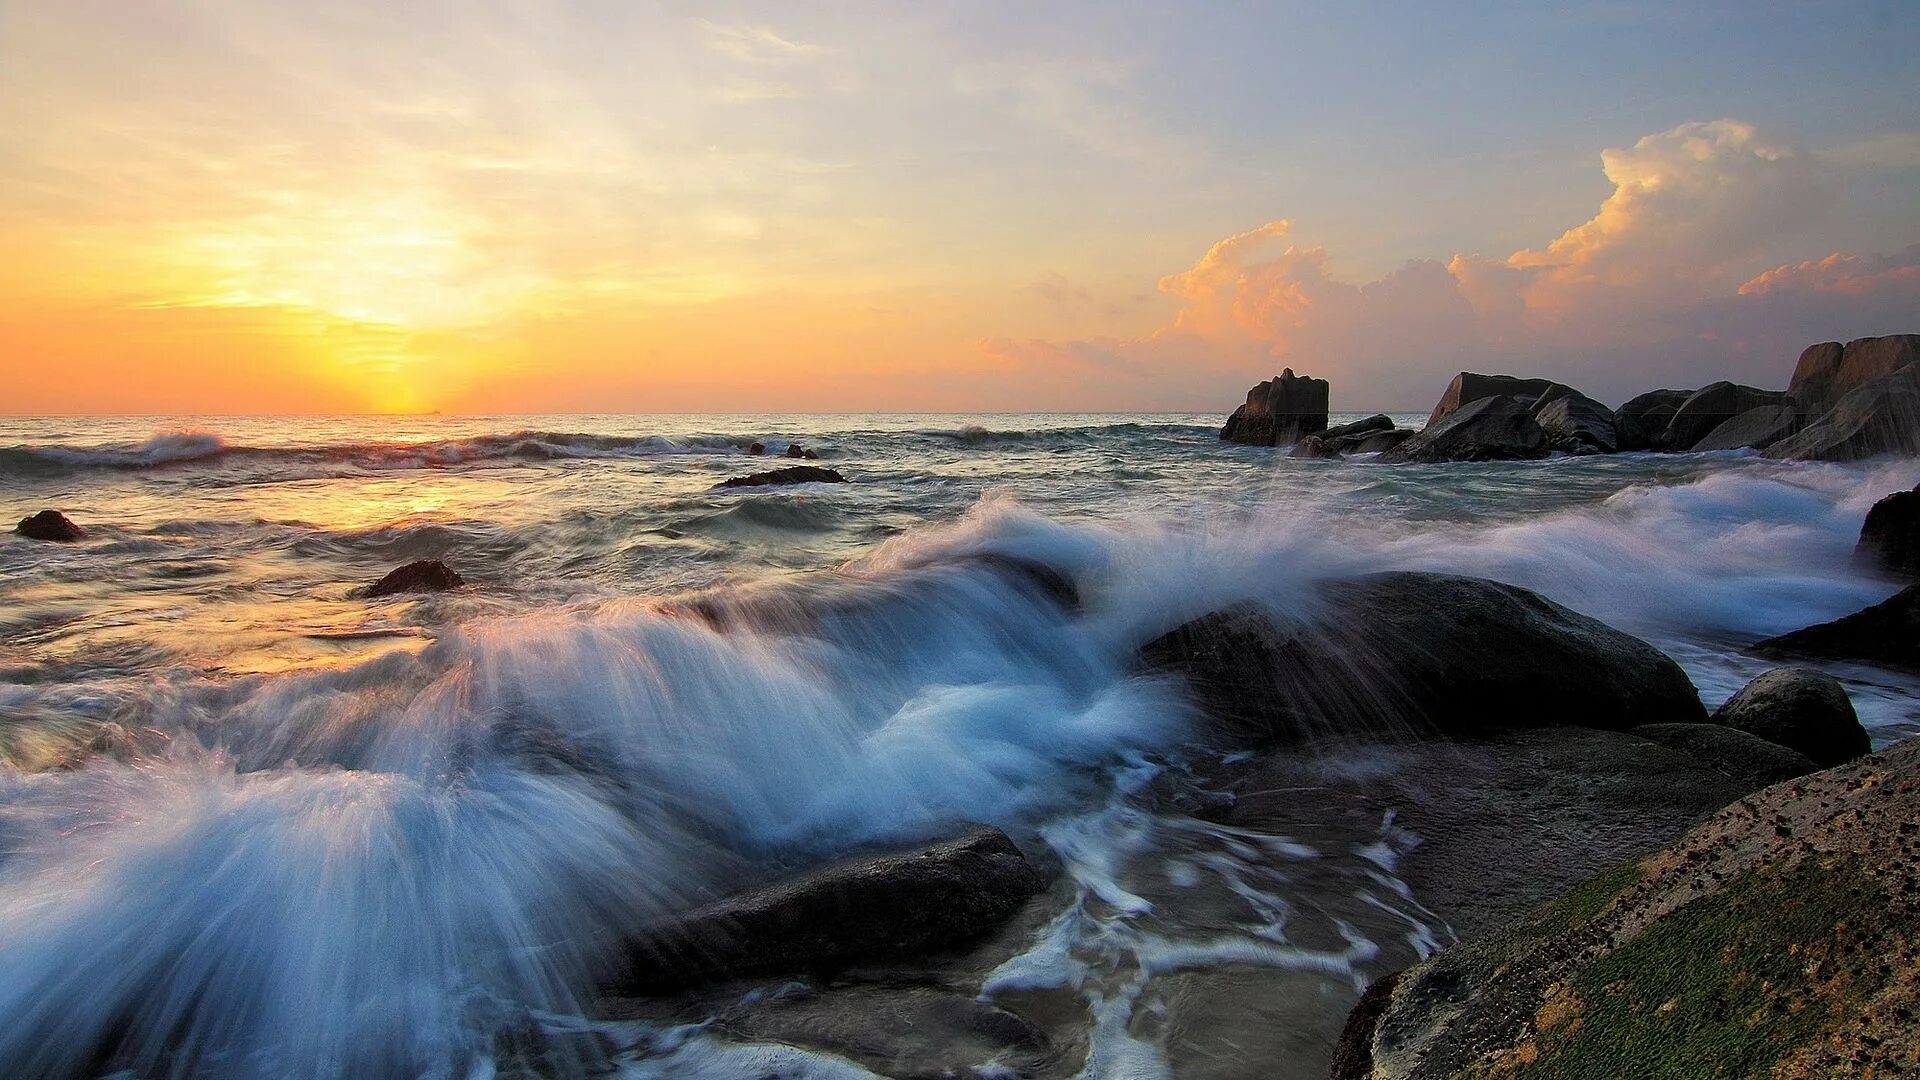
[(330, 833)]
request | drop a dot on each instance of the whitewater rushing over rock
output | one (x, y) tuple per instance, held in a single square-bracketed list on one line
[(252, 823)]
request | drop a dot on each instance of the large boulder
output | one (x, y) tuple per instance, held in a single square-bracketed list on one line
[(1830, 371), (1880, 417), (1884, 635), (1800, 709), (1890, 537), (1486, 429), (792, 474), (1575, 423), (1711, 406), (421, 575), (1468, 387), (1755, 429), (1279, 412), (1378, 442), (1376, 422), (1416, 652), (1739, 754), (1776, 939), (907, 901), (1641, 421)]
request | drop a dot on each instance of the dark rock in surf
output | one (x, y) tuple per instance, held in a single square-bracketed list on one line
[(1378, 442), (1879, 417), (1740, 754), (1575, 423), (1279, 412), (423, 575), (1353, 1053), (1801, 709), (795, 450), (1830, 371), (1425, 653), (1469, 387), (1709, 407), (911, 901), (1376, 422), (50, 525), (1313, 446), (1884, 635), (1890, 537), (757, 450), (1486, 429), (1773, 939), (792, 474), (1640, 422), (1755, 429)]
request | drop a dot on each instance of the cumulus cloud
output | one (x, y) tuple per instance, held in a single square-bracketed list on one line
[(1659, 286)]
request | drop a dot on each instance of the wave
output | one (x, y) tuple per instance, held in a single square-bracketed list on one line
[(184, 448)]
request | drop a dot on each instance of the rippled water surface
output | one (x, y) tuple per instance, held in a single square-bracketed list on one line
[(316, 832)]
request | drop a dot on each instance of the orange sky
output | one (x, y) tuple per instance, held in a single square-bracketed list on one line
[(215, 207)]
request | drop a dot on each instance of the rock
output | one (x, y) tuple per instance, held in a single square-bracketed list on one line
[(792, 474), (1421, 652), (1640, 422), (1353, 1054), (1376, 422), (1279, 412), (1709, 407), (1468, 387), (1486, 429), (912, 1032), (422, 575), (757, 449), (1884, 635), (1377, 443), (1801, 709), (1754, 429), (1773, 940), (1882, 416), (916, 900), (1742, 755), (1830, 371), (795, 450), (50, 525), (1313, 446), (1575, 423), (1890, 537)]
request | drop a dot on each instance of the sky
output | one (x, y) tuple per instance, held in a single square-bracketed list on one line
[(600, 206)]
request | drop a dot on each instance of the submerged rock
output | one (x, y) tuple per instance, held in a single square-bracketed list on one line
[(1279, 412), (1773, 940), (422, 575), (1830, 371), (756, 450), (916, 900), (795, 450), (1799, 708), (1890, 537), (792, 474), (1486, 429), (1469, 387), (1709, 407), (1755, 429), (1421, 653), (1884, 635), (50, 525), (1640, 422), (1880, 417)]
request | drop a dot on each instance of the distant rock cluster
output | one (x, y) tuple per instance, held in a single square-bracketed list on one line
[(1844, 402)]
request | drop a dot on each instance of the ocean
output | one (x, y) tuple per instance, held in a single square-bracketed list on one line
[(247, 810)]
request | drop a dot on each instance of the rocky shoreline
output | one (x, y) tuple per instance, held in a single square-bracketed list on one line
[(1843, 403)]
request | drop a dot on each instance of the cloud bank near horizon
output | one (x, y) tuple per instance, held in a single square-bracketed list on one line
[(1665, 284)]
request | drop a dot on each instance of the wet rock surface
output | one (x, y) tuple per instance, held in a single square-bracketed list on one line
[(421, 575), (1884, 635), (1486, 429), (50, 525), (1799, 708), (1435, 652), (1742, 755), (1890, 537), (792, 474)]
